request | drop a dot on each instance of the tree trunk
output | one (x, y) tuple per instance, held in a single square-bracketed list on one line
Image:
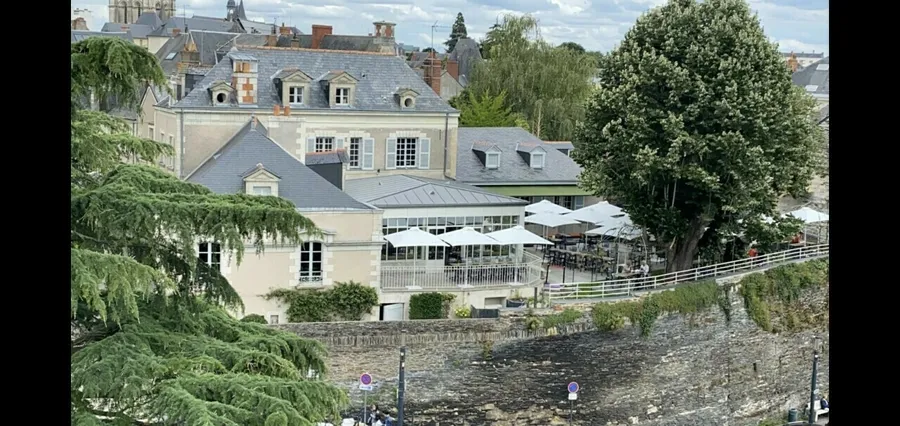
[(681, 256)]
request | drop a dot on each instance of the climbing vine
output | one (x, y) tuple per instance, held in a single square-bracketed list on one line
[(343, 302), (772, 300)]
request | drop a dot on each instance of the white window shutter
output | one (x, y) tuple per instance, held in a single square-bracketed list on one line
[(311, 144), (368, 154), (424, 160), (338, 143), (390, 157)]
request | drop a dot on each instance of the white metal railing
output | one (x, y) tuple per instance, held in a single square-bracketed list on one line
[(627, 286), (408, 277)]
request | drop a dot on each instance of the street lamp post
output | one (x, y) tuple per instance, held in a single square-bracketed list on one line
[(812, 390)]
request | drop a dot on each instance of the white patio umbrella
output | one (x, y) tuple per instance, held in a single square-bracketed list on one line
[(467, 237), (546, 206), (808, 215), (550, 220), (414, 237), (515, 236), (595, 213)]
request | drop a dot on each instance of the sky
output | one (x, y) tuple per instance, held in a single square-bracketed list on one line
[(796, 25)]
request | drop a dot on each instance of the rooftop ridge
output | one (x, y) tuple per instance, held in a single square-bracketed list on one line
[(302, 49)]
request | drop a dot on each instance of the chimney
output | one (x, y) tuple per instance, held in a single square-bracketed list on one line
[(453, 69), (176, 31), (245, 76), (79, 24), (433, 73), (318, 34), (793, 63), (272, 38), (277, 111), (285, 31), (295, 42)]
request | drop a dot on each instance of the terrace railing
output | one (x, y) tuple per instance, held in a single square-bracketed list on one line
[(628, 286), (404, 276)]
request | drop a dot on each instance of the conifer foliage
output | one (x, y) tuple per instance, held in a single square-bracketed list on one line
[(152, 342)]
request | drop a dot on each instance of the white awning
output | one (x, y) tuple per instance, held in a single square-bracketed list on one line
[(552, 220), (809, 215), (414, 237), (517, 235), (595, 213), (467, 237), (546, 206)]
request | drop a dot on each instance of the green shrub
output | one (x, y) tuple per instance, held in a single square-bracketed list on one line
[(350, 301), (255, 318), (343, 302), (462, 312), (568, 316), (427, 306), (778, 290)]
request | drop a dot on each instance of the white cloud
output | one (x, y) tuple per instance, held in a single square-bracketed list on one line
[(595, 24)]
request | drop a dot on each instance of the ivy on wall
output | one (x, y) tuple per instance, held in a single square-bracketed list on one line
[(774, 294), (343, 302), (430, 305)]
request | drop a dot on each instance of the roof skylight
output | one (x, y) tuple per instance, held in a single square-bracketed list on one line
[(811, 87), (170, 56), (822, 67)]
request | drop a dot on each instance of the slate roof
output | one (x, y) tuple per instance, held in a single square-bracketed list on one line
[(417, 59), (814, 78), (136, 30), (803, 54), (212, 45), (249, 147), (328, 157), (558, 168), (467, 54), (78, 35), (379, 75), (403, 191)]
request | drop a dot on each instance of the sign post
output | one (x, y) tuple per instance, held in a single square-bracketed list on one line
[(365, 385), (573, 396)]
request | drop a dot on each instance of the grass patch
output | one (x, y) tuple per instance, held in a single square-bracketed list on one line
[(567, 316)]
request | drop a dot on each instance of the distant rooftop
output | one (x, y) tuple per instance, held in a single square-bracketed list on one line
[(402, 191)]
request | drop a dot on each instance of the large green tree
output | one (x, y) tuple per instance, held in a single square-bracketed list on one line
[(486, 111), (457, 32), (696, 124), (549, 86), (152, 343), (571, 45)]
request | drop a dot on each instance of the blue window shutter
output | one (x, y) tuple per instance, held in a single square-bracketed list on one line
[(368, 154), (310, 144), (424, 160), (390, 157)]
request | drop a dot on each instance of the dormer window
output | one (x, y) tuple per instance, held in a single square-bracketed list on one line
[(492, 160), (342, 96), (537, 160), (294, 85), (259, 181), (340, 86), (407, 98), (221, 93)]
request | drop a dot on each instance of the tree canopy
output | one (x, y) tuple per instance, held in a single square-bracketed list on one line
[(697, 125), (486, 111), (547, 85), (152, 342), (571, 45), (457, 32)]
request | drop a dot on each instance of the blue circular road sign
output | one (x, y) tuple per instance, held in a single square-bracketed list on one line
[(573, 387), (365, 379)]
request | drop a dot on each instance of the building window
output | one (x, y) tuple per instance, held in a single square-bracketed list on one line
[(162, 136), (342, 96), (273, 319), (150, 131), (295, 95), (492, 160), (211, 254), (262, 190), (406, 152), (311, 262), (324, 144), (537, 160), (353, 152)]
